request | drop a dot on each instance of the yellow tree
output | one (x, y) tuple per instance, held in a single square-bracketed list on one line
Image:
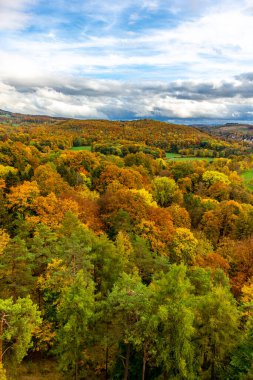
[(22, 197)]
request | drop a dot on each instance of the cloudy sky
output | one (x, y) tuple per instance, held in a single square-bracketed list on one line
[(125, 59)]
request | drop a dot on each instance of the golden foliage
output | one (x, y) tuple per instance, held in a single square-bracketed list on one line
[(4, 239), (23, 196), (50, 210)]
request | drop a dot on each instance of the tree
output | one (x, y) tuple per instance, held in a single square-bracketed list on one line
[(16, 269), (157, 228), (75, 245), (50, 210), (49, 181), (211, 177), (125, 252), (182, 169), (130, 308), (213, 261), (183, 246), (211, 225), (239, 256), (114, 201), (42, 246), (217, 329), (5, 169), (74, 314), (107, 264), (22, 197), (242, 359), (180, 216), (148, 262), (173, 317), (17, 322), (164, 190), (128, 177), (88, 208), (219, 191)]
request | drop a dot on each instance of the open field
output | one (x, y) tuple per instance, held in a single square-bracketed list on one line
[(178, 157), (86, 147), (247, 177)]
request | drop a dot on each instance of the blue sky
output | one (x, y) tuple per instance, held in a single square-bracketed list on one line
[(127, 59)]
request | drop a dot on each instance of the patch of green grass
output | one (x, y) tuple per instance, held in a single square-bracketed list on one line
[(86, 147), (172, 155), (247, 177), (178, 157)]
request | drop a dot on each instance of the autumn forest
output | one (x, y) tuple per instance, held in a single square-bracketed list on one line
[(126, 251)]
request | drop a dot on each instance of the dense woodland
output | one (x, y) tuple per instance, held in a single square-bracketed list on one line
[(119, 263)]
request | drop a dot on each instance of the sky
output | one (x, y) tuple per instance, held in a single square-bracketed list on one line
[(127, 59)]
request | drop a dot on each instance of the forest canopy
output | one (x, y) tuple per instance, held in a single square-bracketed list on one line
[(127, 257)]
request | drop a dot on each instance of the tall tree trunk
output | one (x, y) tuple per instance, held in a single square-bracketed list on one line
[(213, 363), (106, 362), (127, 362), (143, 366), (212, 371), (76, 371)]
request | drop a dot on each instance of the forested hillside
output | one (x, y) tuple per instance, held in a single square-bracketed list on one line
[(118, 261), (232, 131)]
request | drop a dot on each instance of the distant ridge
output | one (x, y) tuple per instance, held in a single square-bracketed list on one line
[(28, 117), (3, 112)]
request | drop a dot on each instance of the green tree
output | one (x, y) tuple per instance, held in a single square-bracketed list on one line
[(129, 305), (43, 246), (217, 323), (17, 322), (242, 359), (16, 269), (75, 245), (107, 264), (164, 190), (74, 313), (173, 315), (211, 177)]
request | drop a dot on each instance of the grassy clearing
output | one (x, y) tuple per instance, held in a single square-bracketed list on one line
[(173, 155), (247, 177), (178, 157), (86, 147), (43, 369)]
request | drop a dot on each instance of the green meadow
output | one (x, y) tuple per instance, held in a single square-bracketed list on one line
[(247, 177), (179, 157), (86, 147)]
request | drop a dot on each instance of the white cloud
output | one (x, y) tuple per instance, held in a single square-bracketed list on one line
[(14, 15), (90, 98), (217, 44), (48, 101), (44, 73)]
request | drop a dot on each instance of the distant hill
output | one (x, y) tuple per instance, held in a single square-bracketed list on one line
[(232, 131), (5, 113), (18, 118), (168, 137), (187, 140)]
